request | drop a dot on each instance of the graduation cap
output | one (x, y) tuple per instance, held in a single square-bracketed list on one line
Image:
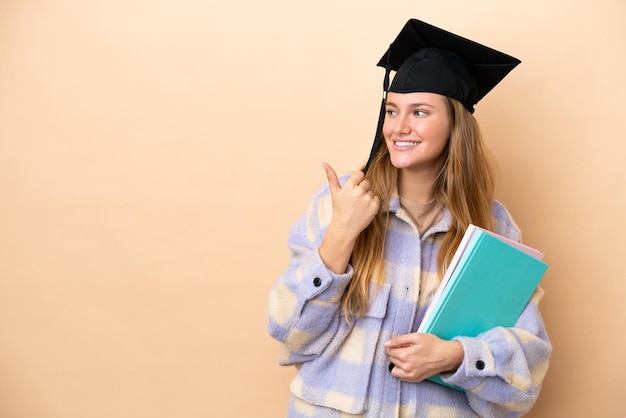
[(430, 59)]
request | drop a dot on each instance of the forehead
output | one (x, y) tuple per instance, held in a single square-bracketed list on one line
[(425, 98)]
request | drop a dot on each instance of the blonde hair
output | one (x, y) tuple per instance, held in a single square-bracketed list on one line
[(465, 185)]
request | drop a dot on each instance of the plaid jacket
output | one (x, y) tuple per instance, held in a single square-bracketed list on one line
[(343, 369)]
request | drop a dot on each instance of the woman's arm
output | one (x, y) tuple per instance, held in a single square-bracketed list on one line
[(305, 302), (354, 208), (503, 369)]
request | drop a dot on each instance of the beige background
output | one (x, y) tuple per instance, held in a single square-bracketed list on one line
[(154, 154)]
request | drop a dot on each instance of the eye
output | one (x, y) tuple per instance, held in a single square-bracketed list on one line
[(391, 112), (420, 113)]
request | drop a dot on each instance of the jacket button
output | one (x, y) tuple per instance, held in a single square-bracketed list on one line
[(317, 282), (480, 364)]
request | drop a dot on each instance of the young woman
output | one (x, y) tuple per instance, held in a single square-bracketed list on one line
[(370, 252)]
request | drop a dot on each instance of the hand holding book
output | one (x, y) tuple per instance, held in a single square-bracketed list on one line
[(415, 357), (488, 283)]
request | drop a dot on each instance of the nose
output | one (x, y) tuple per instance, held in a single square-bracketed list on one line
[(402, 125)]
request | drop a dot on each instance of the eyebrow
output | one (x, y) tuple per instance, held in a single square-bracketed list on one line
[(413, 105)]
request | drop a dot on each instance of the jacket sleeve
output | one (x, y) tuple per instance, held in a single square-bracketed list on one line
[(503, 368), (305, 302)]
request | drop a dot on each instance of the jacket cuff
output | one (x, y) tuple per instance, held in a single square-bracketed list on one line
[(478, 363), (322, 283)]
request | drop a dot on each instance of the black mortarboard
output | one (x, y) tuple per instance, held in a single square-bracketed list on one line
[(429, 59)]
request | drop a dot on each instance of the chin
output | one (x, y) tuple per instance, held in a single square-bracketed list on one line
[(400, 164)]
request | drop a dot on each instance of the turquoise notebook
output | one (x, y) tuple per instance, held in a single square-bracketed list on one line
[(489, 282)]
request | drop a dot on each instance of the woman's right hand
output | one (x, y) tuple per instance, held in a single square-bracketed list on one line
[(354, 205), (354, 208)]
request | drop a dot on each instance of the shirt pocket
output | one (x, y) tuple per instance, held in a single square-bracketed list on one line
[(339, 377)]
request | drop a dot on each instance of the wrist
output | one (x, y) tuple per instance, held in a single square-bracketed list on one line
[(336, 250), (456, 354)]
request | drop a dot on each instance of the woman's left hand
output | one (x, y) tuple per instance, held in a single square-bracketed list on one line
[(419, 356)]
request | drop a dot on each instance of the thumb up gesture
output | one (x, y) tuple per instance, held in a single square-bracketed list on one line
[(354, 205), (354, 208)]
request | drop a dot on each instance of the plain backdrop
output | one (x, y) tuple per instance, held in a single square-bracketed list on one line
[(155, 153)]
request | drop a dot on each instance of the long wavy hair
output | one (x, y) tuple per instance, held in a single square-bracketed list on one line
[(465, 185)]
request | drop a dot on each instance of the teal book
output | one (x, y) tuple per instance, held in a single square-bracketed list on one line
[(488, 284)]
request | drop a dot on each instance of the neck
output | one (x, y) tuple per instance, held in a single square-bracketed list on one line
[(417, 197), (416, 187)]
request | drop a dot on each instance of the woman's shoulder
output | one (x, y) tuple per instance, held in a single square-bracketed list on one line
[(505, 225)]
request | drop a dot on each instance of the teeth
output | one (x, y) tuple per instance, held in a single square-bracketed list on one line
[(406, 143)]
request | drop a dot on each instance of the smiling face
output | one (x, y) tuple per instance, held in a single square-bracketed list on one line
[(416, 129)]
